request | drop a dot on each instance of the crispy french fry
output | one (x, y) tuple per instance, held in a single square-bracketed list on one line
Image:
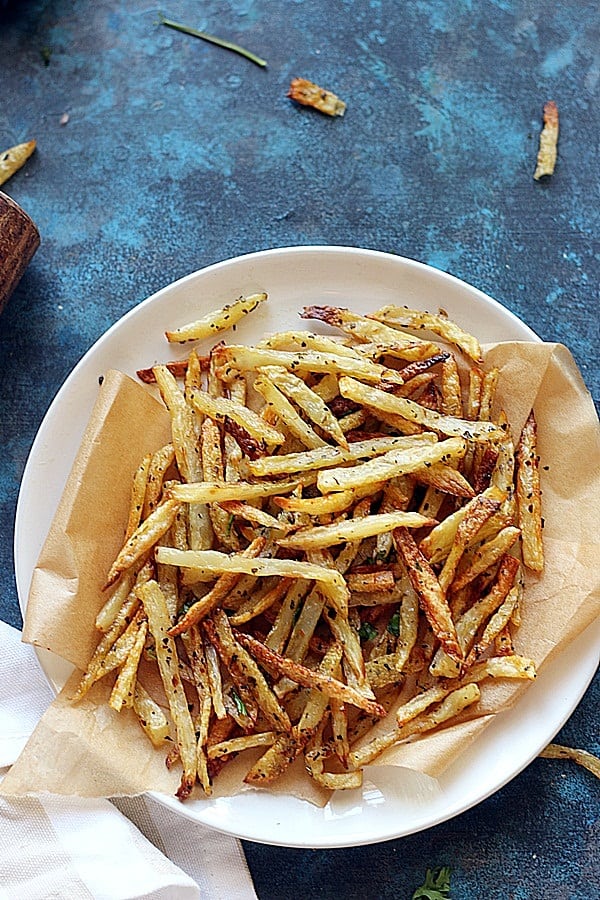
[(325, 457), (413, 412), (150, 715), (401, 316), (232, 359), (529, 496), (310, 402), (15, 158), (307, 93), (280, 404), (309, 677), (392, 464), (219, 320), (547, 153), (428, 589), (144, 538), (353, 530), (221, 408), (168, 663)]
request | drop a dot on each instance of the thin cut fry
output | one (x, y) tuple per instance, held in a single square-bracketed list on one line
[(168, 663), (216, 321), (307, 93), (431, 595), (529, 496), (14, 158), (547, 153)]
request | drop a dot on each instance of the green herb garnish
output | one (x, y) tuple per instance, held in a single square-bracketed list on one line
[(394, 625), (436, 885), (240, 705), (227, 45), (366, 632), (229, 524)]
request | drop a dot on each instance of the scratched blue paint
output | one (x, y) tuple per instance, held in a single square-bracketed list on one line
[(559, 58)]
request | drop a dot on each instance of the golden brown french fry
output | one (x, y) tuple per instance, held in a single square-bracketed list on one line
[(238, 661), (392, 464), (310, 402), (529, 496), (483, 557), (293, 421), (14, 158), (353, 530), (547, 153), (377, 399), (144, 538), (331, 582), (221, 589), (471, 620), (274, 662), (307, 93), (581, 757), (430, 594), (123, 691), (402, 317), (217, 321), (222, 491), (481, 509), (232, 359), (161, 461), (168, 664), (221, 408), (150, 715)]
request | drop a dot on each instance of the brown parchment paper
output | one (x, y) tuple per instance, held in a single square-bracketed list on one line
[(89, 750)]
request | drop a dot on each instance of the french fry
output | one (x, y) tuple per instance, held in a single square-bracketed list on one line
[(547, 153), (305, 340), (160, 463), (122, 692), (15, 158), (238, 660), (325, 457), (391, 465), (217, 594), (166, 653), (307, 93), (430, 594), (482, 558), (280, 404), (219, 320), (353, 530), (150, 715), (311, 403), (444, 665), (221, 408), (223, 492), (529, 496), (143, 538), (232, 359), (214, 561), (308, 677), (403, 317), (413, 412), (480, 510)]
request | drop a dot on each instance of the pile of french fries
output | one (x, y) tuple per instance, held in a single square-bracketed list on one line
[(334, 536)]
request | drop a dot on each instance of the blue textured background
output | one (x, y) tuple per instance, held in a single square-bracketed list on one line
[(178, 154)]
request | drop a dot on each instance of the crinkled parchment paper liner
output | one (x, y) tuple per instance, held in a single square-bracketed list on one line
[(89, 750)]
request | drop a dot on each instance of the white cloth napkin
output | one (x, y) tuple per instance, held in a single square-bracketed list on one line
[(69, 847)]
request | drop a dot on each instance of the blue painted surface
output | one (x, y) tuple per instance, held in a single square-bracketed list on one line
[(178, 154)]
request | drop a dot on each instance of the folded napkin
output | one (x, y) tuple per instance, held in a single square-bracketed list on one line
[(69, 847)]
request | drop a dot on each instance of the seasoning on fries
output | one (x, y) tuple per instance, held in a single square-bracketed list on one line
[(333, 538)]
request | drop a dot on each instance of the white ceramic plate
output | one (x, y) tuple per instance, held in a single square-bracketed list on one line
[(399, 803)]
